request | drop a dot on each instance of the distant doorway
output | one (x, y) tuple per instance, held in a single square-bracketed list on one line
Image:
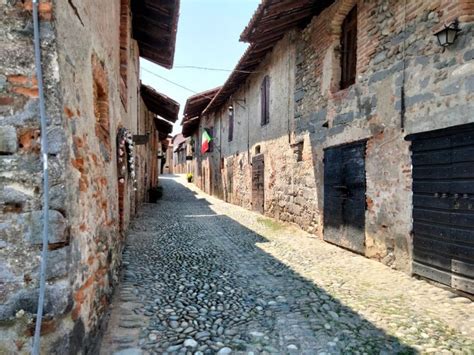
[(229, 187), (258, 183)]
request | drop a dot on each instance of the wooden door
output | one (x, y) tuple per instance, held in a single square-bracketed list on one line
[(344, 196), (443, 206), (258, 183), (229, 187)]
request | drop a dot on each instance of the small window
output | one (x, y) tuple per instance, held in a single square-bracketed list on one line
[(265, 100), (257, 150), (349, 49), (231, 124)]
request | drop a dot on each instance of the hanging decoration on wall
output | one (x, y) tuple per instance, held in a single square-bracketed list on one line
[(126, 157), (206, 141)]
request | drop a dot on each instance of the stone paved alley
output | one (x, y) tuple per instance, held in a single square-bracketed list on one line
[(202, 276)]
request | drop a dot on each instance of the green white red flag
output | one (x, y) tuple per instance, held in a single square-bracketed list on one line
[(206, 140)]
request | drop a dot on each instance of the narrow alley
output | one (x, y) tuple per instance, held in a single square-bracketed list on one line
[(203, 276)]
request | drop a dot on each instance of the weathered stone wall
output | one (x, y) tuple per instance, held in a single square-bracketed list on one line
[(395, 48), (89, 44), (21, 179), (289, 184), (168, 168), (146, 163), (82, 76)]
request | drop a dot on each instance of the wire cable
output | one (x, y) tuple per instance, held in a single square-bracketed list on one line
[(214, 69), (174, 83), (44, 153)]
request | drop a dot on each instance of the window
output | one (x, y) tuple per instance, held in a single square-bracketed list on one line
[(349, 49), (265, 100), (231, 124), (123, 41)]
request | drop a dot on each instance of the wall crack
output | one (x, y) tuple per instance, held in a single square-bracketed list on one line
[(76, 12)]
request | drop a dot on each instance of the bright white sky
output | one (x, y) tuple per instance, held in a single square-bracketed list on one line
[(208, 36)]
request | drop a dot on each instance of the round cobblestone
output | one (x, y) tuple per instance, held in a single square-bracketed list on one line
[(202, 276)]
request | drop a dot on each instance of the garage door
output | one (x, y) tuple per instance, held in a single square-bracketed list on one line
[(443, 206)]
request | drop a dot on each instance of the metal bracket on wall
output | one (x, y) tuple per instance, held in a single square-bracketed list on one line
[(140, 139)]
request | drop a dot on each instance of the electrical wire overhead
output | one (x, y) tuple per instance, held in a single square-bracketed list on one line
[(175, 83), (214, 69)]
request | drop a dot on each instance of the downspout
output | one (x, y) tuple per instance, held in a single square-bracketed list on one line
[(220, 163), (290, 91), (44, 154), (402, 88), (246, 87)]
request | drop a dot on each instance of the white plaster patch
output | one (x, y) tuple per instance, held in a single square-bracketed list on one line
[(463, 70), (327, 70), (21, 188)]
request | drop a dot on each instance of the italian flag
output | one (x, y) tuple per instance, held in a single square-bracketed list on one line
[(206, 139)]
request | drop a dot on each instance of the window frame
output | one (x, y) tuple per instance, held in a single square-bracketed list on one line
[(349, 49)]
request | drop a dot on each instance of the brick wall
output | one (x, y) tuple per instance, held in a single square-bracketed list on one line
[(396, 47), (370, 109), (83, 73)]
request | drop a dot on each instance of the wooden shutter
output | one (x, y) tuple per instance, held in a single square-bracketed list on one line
[(349, 49), (231, 125), (265, 100), (210, 130)]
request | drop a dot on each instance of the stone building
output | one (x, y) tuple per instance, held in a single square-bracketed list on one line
[(181, 150), (168, 156), (103, 141), (349, 119), (160, 112)]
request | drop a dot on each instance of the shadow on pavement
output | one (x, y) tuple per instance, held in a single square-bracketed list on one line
[(269, 306)]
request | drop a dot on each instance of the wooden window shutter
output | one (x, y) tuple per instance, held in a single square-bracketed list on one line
[(210, 130), (265, 100), (349, 49)]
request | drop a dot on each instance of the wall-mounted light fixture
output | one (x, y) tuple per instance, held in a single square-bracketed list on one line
[(448, 34), (231, 109)]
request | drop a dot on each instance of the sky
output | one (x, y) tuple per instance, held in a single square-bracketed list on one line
[(208, 36)]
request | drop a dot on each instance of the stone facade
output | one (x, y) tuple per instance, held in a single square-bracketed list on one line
[(405, 83), (87, 102), (147, 164), (168, 153), (182, 148), (396, 49)]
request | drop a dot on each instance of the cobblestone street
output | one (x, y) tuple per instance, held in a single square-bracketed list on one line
[(202, 276)]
